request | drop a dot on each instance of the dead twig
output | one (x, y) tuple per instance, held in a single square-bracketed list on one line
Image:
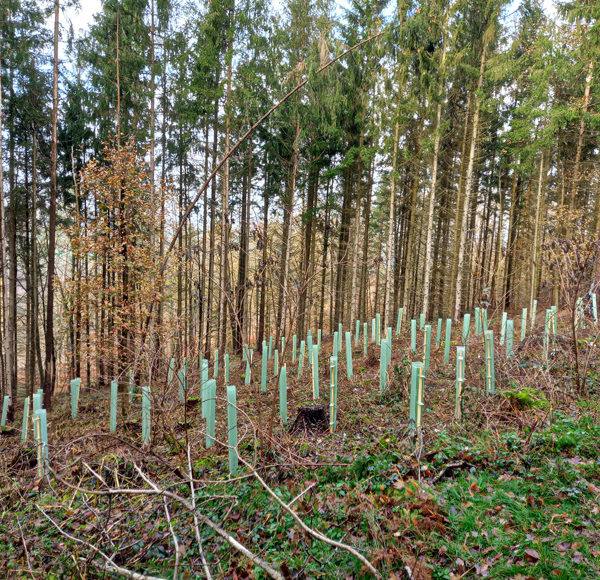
[(306, 528)]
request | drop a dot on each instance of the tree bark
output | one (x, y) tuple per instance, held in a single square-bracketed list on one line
[(468, 186), (50, 357)]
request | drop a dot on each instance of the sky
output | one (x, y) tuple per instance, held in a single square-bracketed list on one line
[(84, 16)]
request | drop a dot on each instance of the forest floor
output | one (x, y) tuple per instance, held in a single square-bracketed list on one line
[(512, 491)]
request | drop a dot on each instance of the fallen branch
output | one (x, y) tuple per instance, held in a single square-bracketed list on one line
[(306, 528), (110, 564), (157, 491)]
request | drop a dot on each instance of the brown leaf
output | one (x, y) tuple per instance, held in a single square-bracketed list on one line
[(531, 555)]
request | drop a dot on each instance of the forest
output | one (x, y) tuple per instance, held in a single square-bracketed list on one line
[(299, 289)]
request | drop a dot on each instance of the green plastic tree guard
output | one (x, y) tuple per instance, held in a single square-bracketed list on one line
[(333, 394), (263, 368), (503, 328), (130, 385), (523, 323), (365, 338), (294, 347), (438, 334), (146, 408), (477, 321), (547, 325), (226, 365), (204, 382), (171, 371), (283, 395), (510, 330), (421, 321), (357, 333), (248, 373), (533, 313), (384, 361), (276, 363), (378, 329), (349, 369), (460, 379), (301, 357), (75, 397), (114, 390), (399, 321), (595, 307), (413, 336), (490, 371), (416, 394), (4, 410), (270, 346), (216, 370), (211, 411), (426, 347), (232, 429), (447, 340), (315, 372), (25, 422), (38, 399), (40, 426), (466, 330)]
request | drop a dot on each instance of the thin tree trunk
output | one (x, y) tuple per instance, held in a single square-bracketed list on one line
[(468, 186), (223, 276), (50, 358), (284, 266), (536, 233), (364, 276), (263, 271), (577, 164), (411, 256), (388, 315), (307, 268), (211, 257), (4, 387), (11, 316)]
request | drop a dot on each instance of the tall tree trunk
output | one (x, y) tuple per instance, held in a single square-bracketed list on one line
[(11, 314), (211, 252), (363, 300), (388, 315), (577, 165), (434, 172), (342, 255), (536, 232), (468, 187), (307, 267), (224, 274), (284, 266), (411, 259), (263, 268), (239, 319), (50, 357), (34, 264), (4, 387), (515, 201)]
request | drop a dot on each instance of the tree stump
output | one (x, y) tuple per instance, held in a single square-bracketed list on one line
[(310, 418)]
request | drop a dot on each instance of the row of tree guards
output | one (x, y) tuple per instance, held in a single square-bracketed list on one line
[(208, 386)]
